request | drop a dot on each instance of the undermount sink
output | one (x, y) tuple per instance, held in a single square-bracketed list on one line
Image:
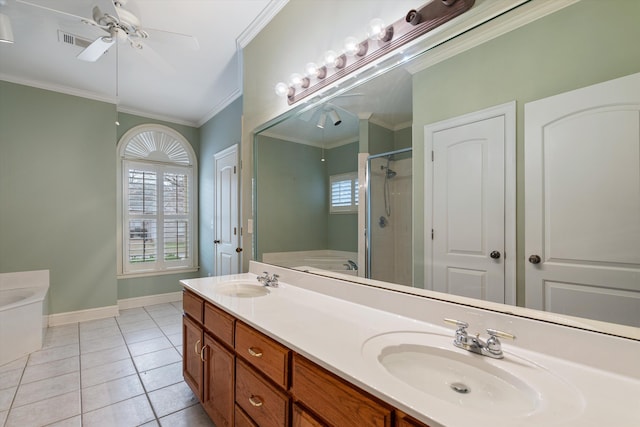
[(242, 289), (430, 364)]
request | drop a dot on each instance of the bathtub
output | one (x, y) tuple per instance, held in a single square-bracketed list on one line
[(324, 261), (23, 313)]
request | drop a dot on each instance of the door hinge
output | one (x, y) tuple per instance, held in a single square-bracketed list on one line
[(241, 231), (235, 231), (234, 169), (432, 234), (432, 155)]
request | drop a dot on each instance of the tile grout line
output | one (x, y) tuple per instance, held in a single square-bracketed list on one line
[(146, 393)]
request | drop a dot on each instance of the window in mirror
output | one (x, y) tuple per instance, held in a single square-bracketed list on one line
[(344, 193)]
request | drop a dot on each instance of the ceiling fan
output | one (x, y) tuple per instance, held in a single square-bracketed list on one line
[(120, 21)]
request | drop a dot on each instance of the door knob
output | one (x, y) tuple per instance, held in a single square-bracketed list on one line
[(215, 242), (238, 250), (534, 259), (495, 254)]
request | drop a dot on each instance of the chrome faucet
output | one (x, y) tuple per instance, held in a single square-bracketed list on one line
[(491, 348), (351, 265), (267, 280)]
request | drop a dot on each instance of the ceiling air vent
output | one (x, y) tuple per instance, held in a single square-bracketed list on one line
[(68, 38)]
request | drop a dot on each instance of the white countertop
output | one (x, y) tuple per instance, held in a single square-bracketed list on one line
[(334, 333)]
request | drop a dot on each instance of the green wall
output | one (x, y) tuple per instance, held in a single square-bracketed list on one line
[(58, 196), (342, 228), (220, 132), (58, 193), (586, 43), (292, 197)]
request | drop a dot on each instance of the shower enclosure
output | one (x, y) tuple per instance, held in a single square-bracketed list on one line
[(388, 217)]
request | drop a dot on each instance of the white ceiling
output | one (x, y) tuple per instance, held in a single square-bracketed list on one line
[(191, 87)]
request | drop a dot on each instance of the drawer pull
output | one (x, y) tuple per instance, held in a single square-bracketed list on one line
[(195, 349), (255, 401), (255, 352), (201, 353)]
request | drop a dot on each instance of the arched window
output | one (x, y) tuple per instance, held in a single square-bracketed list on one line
[(157, 198)]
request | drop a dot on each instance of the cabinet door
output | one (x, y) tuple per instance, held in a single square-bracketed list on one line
[(191, 363), (219, 374), (302, 418)]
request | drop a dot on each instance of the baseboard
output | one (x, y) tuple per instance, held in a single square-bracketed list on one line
[(124, 304), (82, 315), (112, 310)]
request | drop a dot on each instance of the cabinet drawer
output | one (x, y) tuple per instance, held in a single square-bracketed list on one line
[(266, 405), (302, 418), (336, 401), (193, 305), (403, 420), (242, 419), (219, 323), (268, 356)]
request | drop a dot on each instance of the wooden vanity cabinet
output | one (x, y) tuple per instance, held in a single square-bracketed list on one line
[(302, 418), (246, 379), (334, 400), (192, 336), (209, 366), (218, 387), (403, 420)]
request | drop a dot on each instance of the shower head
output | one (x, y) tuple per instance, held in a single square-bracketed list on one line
[(390, 173)]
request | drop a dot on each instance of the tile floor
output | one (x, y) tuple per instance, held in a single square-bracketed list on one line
[(115, 372)]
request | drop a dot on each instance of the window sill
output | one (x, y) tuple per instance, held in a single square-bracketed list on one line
[(157, 273)]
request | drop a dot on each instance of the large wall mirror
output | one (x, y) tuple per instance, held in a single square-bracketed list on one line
[(346, 185)]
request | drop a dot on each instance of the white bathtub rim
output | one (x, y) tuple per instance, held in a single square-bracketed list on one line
[(33, 295)]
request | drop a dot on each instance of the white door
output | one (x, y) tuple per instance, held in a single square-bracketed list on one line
[(468, 205), (582, 202), (227, 230)]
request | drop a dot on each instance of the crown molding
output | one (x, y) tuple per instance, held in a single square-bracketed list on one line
[(261, 21), (66, 90)]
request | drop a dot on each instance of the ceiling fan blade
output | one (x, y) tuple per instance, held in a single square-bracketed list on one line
[(95, 50), (177, 40), (60, 12)]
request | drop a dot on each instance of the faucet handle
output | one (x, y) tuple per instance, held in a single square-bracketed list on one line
[(459, 323), (500, 334)]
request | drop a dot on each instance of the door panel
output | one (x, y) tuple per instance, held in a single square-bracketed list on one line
[(582, 202), (227, 260), (468, 209)]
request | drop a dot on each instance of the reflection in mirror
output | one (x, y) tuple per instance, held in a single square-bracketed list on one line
[(581, 45)]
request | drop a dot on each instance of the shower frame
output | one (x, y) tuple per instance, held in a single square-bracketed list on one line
[(367, 228)]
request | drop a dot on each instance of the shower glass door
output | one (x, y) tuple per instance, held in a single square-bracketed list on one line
[(389, 207)]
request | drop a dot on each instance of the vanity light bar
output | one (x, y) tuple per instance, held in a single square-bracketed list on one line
[(382, 40)]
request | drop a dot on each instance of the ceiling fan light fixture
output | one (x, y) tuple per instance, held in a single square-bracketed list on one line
[(335, 118), (6, 32), (321, 120)]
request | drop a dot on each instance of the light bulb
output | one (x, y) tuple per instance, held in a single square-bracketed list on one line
[(283, 89), (376, 29), (311, 69), (299, 81), (351, 46), (333, 60)]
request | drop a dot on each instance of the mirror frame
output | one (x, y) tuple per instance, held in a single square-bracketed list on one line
[(423, 53)]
